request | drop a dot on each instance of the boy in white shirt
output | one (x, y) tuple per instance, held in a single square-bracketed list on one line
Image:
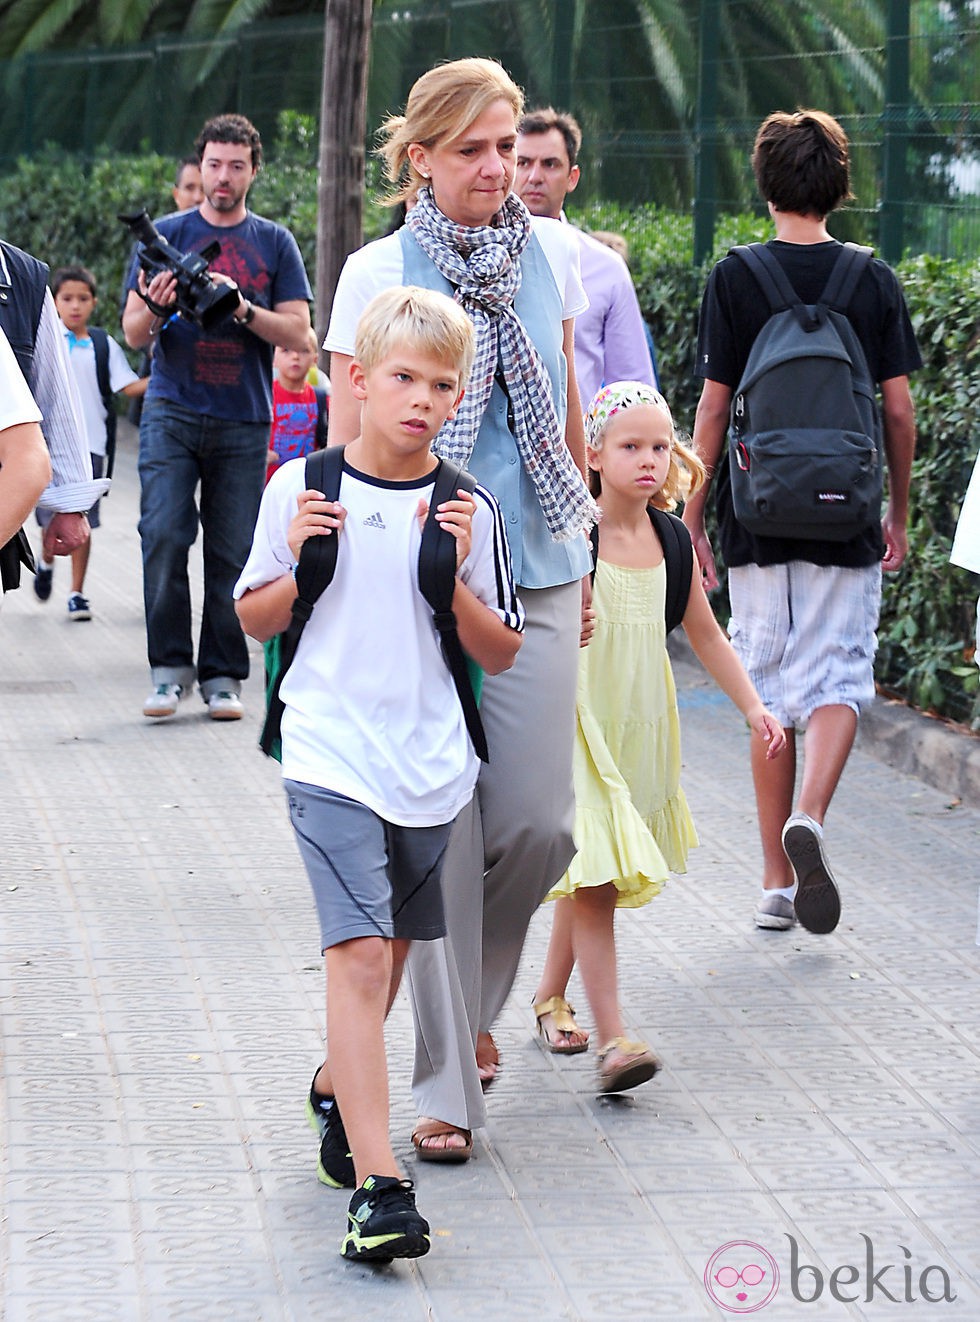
[(75, 299), (375, 754)]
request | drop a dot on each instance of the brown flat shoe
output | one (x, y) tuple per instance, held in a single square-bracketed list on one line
[(563, 1024), (426, 1129)]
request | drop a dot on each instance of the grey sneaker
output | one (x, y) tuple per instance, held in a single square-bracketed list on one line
[(775, 912), (163, 700), (817, 902), (225, 706)]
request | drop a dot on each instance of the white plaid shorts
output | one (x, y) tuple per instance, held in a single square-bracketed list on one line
[(806, 635)]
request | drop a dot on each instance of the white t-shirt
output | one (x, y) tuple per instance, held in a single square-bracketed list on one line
[(81, 355), (371, 711), (16, 401), (378, 266)]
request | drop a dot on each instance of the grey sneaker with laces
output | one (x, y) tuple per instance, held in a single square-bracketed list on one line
[(817, 901), (775, 912)]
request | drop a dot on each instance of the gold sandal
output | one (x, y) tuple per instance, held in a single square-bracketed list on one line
[(640, 1064), (563, 1020)]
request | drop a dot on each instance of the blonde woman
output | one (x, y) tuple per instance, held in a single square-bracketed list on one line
[(519, 431)]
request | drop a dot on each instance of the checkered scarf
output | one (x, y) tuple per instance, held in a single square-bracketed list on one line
[(483, 265)]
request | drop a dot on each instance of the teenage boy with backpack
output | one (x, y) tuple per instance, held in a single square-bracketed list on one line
[(804, 607), (376, 757)]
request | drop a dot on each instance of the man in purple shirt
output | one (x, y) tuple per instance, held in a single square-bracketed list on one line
[(610, 338)]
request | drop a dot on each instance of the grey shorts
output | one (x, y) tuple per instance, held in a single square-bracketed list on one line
[(369, 877)]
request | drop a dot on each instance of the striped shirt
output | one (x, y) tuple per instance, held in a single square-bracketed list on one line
[(72, 488)]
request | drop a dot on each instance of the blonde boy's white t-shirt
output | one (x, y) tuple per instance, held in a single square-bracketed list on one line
[(371, 711)]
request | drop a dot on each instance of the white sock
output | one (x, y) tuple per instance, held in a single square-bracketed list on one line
[(43, 564), (787, 892)]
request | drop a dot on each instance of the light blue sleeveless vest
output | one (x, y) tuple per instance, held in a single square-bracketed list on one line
[(538, 561)]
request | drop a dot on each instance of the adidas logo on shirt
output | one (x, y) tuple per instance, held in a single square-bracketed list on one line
[(374, 521)]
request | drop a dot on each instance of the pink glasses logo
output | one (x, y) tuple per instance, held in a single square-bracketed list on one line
[(741, 1277)]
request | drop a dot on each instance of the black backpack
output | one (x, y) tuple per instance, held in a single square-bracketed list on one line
[(678, 561), (805, 432), (100, 346), (437, 583)]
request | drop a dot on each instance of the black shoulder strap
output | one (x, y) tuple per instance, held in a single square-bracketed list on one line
[(852, 262), (678, 561), (769, 275), (437, 583), (322, 412), (774, 282), (100, 346), (317, 563)]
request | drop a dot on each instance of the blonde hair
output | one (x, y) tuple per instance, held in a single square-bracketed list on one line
[(610, 239), (440, 106), (684, 476), (421, 319)]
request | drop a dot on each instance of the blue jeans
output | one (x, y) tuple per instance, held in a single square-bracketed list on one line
[(178, 450)]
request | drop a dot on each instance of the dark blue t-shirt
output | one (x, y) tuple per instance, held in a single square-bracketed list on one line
[(226, 372)]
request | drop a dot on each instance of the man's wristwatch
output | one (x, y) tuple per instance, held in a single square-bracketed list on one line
[(248, 316)]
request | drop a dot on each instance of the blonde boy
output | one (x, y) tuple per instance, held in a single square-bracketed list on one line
[(375, 755)]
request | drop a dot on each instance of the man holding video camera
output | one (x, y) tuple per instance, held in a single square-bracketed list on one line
[(207, 411)]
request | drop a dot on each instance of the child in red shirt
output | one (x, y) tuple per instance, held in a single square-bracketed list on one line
[(299, 409)]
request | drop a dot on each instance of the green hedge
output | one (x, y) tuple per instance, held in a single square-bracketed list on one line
[(64, 210)]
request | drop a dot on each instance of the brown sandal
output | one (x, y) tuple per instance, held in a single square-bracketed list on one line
[(487, 1060), (639, 1065), (563, 1019), (426, 1129)]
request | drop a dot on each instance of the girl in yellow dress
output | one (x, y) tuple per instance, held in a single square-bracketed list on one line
[(632, 824)]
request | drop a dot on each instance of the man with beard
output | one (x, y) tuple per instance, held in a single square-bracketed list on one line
[(206, 419)]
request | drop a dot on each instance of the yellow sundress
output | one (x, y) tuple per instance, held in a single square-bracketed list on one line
[(632, 823)]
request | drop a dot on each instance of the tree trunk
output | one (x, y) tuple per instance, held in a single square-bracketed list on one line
[(343, 126)]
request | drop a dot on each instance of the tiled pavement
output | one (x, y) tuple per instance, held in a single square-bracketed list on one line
[(161, 1004)]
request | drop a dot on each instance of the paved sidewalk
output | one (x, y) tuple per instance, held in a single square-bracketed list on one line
[(161, 996)]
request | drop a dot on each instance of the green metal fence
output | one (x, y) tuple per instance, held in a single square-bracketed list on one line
[(669, 108)]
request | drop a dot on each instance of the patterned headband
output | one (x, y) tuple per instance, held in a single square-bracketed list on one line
[(613, 399)]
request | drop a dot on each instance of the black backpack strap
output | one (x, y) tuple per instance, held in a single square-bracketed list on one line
[(852, 262), (679, 562), (594, 543), (322, 414), (100, 346), (437, 583), (774, 282), (678, 559), (317, 563)]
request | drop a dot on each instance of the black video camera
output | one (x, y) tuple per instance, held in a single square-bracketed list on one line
[(199, 298)]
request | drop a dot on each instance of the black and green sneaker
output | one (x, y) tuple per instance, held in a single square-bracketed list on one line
[(383, 1223), (335, 1165)]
